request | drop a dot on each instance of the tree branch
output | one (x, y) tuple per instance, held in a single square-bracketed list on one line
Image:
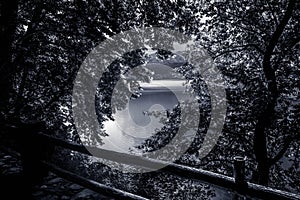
[(272, 13), (283, 150), (239, 48), (268, 69)]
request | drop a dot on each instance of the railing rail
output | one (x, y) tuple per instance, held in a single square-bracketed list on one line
[(219, 180), (93, 185), (203, 176)]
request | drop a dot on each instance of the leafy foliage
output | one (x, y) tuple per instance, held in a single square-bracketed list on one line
[(254, 44)]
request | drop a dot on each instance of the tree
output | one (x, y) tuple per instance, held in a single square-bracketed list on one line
[(260, 145), (260, 34), (8, 21), (254, 44)]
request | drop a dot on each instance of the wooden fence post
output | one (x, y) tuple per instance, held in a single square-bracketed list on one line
[(32, 150), (239, 172)]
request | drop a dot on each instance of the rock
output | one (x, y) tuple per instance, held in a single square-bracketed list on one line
[(7, 157), (49, 197), (75, 187), (9, 172), (64, 197), (44, 187), (55, 181), (84, 194), (38, 194), (14, 169)]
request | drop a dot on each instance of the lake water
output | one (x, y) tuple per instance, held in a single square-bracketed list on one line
[(134, 124)]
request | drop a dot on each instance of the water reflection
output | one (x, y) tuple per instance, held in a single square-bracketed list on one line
[(131, 127)]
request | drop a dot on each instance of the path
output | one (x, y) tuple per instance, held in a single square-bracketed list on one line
[(51, 188)]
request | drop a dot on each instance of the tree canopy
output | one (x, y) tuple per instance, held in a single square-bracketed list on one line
[(254, 44)]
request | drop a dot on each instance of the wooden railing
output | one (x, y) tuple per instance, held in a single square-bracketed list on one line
[(236, 184)]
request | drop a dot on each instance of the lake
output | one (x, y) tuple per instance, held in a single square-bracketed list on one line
[(133, 125)]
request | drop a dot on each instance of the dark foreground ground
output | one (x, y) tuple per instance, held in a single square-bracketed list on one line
[(52, 187)]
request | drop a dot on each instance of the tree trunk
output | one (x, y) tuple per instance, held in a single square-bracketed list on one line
[(265, 119), (8, 21), (260, 148), (263, 173)]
